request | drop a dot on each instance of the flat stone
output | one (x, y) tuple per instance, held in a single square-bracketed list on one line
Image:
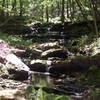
[(60, 53)]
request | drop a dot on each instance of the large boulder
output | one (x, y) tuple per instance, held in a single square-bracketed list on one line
[(16, 68)]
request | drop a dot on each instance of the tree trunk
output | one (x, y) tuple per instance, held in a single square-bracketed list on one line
[(14, 6), (21, 8), (7, 5), (3, 6), (80, 7), (67, 7), (73, 9), (63, 12), (58, 8), (95, 6), (42, 13), (94, 17), (47, 14), (70, 1)]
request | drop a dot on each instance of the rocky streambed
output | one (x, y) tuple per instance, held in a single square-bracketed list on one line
[(50, 63)]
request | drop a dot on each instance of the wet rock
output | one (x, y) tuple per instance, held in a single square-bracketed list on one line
[(35, 53), (46, 62), (2, 60), (25, 54), (39, 65), (20, 53), (12, 94), (7, 71), (13, 84), (12, 90), (18, 74), (60, 53)]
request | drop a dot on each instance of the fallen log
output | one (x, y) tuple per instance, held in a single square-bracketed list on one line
[(79, 64)]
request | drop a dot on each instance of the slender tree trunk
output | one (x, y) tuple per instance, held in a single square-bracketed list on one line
[(94, 17), (42, 12), (47, 13), (70, 1), (14, 7), (52, 11), (21, 8), (63, 12), (3, 6), (67, 7), (73, 8), (58, 9), (95, 6), (7, 7), (3, 3), (81, 9)]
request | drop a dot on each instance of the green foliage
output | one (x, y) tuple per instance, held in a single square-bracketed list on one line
[(96, 94), (93, 76), (15, 40), (78, 43), (41, 95), (35, 91), (36, 9)]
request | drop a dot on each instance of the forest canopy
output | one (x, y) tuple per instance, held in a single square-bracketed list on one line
[(51, 10)]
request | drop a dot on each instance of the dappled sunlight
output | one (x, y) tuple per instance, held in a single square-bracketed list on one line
[(49, 50)]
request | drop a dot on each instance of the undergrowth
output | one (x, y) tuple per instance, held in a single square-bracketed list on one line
[(33, 94), (15, 40)]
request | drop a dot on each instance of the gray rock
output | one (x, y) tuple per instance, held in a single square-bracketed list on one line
[(60, 53), (11, 63), (35, 53), (40, 65), (16, 68)]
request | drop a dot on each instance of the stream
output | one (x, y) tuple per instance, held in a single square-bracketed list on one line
[(53, 80)]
